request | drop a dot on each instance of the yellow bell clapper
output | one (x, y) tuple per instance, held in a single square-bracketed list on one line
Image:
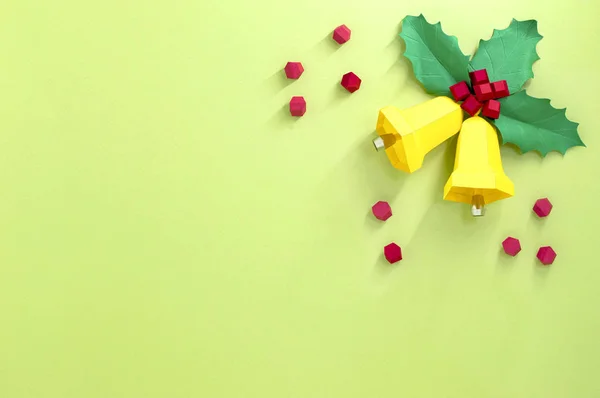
[(478, 178), (408, 135)]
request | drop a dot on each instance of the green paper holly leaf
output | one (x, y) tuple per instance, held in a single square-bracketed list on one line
[(509, 54), (533, 124), (437, 60)]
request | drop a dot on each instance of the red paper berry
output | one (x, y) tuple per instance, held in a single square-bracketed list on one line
[(511, 246), (341, 34), (460, 91), (479, 77), (542, 207), (546, 255), (471, 105), (500, 89), (382, 210), (392, 253), (297, 106), (293, 70), (483, 92), (491, 109), (351, 82)]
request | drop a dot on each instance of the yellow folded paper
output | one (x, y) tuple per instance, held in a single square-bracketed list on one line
[(408, 135), (478, 178)]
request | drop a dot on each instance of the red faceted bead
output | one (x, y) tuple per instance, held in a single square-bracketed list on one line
[(491, 109), (460, 91), (293, 70), (392, 253), (542, 207), (341, 34), (479, 77), (382, 210), (351, 82), (546, 255), (500, 89), (297, 106), (511, 246), (471, 105), (483, 92)]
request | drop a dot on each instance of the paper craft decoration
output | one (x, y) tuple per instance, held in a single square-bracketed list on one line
[(351, 82), (546, 255), (392, 253), (490, 90), (511, 246), (478, 178), (408, 135), (341, 34), (542, 207), (293, 70), (297, 106), (382, 210)]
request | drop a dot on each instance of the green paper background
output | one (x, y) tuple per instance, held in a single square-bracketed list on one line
[(166, 230)]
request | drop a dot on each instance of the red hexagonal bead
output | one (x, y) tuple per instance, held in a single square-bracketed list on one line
[(293, 70), (460, 91), (511, 246), (500, 89), (542, 207), (546, 255), (483, 92), (479, 77), (351, 82), (297, 106), (341, 34), (491, 109), (471, 105), (392, 253), (382, 210)]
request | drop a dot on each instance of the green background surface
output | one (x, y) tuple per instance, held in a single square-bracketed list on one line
[(167, 230)]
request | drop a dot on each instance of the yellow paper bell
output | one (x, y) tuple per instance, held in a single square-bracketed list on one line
[(478, 178), (408, 135)]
